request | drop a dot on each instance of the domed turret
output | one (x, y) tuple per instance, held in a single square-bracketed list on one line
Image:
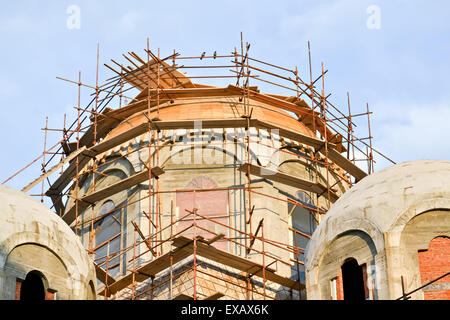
[(40, 256), (391, 227)]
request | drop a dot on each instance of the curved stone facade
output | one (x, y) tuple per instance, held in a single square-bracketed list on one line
[(384, 222), (34, 240)]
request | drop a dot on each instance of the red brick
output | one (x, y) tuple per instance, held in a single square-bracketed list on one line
[(433, 263)]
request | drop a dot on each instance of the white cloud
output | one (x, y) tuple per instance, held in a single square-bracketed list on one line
[(129, 21), (8, 88), (322, 22), (411, 131), (15, 23)]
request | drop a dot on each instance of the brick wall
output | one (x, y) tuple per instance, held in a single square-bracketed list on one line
[(433, 263), (340, 286), (18, 288)]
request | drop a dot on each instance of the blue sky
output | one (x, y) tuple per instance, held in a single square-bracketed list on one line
[(401, 69)]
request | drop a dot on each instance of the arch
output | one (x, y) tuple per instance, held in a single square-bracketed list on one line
[(420, 207), (78, 266), (234, 155), (116, 171), (352, 280), (24, 238), (26, 265), (308, 164), (28, 225), (91, 293), (328, 231), (350, 244), (301, 226), (108, 237), (33, 287), (416, 258), (121, 165), (201, 182), (59, 258), (115, 162), (306, 171)]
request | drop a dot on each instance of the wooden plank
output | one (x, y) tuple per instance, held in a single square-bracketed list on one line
[(215, 238), (300, 108), (346, 164), (53, 169), (205, 124), (333, 154), (288, 180), (58, 204), (101, 275), (191, 93), (185, 249), (139, 77), (110, 143), (319, 125), (62, 181), (93, 197), (183, 296), (215, 296), (151, 268), (136, 227), (235, 261), (65, 147), (272, 100), (299, 137)]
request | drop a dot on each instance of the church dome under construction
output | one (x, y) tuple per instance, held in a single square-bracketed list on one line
[(184, 163), (182, 190)]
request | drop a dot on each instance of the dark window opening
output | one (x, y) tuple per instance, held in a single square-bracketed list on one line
[(32, 288), (353, 280), (302, 227), (108, 239)]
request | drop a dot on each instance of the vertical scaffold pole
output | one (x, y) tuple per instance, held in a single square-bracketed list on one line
[(43, 157)]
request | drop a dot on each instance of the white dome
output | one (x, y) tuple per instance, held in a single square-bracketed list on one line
[(379, 200), (24, 220)]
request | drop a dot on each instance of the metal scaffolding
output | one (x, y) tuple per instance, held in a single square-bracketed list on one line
[(160, 82)]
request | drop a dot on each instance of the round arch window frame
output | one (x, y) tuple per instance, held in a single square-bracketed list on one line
[(40, 277), (293, 231), (118, 235)]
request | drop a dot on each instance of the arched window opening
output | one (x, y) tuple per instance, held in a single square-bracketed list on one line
[(353, 280), (91, 295), (32, 287), (303, 225), (108, 237)]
